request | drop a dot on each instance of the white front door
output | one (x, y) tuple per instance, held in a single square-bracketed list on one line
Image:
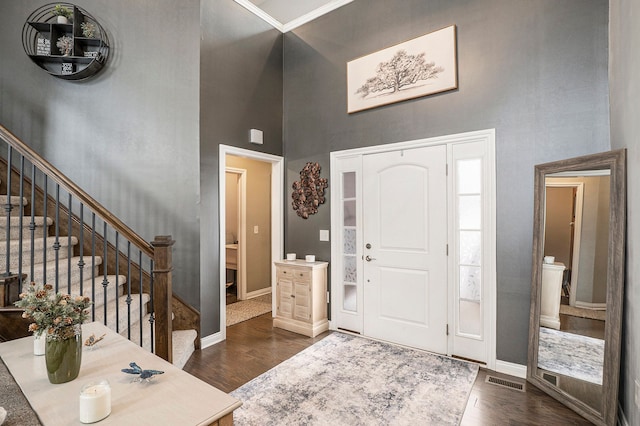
[(405, 247)]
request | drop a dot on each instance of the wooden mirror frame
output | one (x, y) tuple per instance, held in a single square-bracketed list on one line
[(615, 161)]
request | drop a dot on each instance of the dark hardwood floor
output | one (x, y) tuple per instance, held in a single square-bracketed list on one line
[(253, 347)]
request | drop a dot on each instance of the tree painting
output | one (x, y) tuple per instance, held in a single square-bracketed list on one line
[(401, 71)]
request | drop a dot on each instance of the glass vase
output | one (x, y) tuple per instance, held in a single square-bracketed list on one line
[(63, 356)]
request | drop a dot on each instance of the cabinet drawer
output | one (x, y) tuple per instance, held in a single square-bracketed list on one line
[(298, 274)]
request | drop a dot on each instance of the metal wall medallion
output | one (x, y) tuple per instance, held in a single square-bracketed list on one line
[(308, 192)]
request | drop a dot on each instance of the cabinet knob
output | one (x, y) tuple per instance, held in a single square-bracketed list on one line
[(293, 296)]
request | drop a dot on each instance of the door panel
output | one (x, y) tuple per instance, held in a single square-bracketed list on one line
[(405, 224), (395, 286)]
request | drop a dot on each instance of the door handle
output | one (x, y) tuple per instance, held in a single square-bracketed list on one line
[(369, 258)]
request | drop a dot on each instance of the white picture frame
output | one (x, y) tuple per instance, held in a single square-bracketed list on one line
[(418, 67)]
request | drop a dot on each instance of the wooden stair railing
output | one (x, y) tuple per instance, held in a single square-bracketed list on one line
[(154, 280)]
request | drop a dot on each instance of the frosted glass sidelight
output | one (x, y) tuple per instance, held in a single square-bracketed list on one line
[(349, 241), (469, 208), (470, 318), (470, 283), (350, 213), (350, 272), (349, 185), (469, 176), (350, 300), (470, 247)]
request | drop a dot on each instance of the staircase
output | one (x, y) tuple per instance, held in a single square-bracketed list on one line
[(60, 240)]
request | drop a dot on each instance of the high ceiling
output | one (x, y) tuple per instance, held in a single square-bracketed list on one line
[(286, 15)]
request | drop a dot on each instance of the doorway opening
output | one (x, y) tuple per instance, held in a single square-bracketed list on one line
[(251, 218)]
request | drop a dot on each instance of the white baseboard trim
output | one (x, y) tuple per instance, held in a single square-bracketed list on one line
[(594, 306), (622, 419), (211, 340), (257, 293), (516, 370)]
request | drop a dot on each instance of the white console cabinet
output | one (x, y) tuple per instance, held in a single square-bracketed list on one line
[(301, 295), (551, 292)]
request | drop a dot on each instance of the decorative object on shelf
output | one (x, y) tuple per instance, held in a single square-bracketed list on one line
[(63, 14), (418, 67), (310, 258), (308, 192), (92, 340), (85, 44), (88, 29), (65, 44), (43, 47), (67, 68), (145, 375), (95, 401), (60, 317)]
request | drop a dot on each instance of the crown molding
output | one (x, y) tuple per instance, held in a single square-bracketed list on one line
[(261, 14), (295, 23)]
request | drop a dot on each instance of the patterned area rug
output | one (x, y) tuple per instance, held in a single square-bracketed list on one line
[(347, 380), (572, 355), (247, 309), (19, 412)]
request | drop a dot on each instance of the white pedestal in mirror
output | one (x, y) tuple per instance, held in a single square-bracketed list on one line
[(551, 292)]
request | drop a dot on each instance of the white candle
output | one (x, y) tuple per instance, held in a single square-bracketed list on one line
[(95, 401)]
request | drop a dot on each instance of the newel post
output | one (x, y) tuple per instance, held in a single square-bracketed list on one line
[(162, 295)]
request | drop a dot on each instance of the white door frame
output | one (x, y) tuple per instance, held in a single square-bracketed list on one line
[(241, 271), (277, 218), (487, 136), (577, 229)]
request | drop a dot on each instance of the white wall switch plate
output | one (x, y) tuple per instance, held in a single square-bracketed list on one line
[(255, 229), (324, 235)]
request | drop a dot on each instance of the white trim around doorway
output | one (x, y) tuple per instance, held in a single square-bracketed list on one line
[(484, 136), (277, 217)]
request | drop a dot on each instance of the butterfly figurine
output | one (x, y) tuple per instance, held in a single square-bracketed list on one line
[(146, 375)]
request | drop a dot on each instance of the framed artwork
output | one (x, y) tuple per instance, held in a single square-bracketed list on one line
[(422, 66)]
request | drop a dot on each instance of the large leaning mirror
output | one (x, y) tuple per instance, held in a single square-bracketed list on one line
[(578, 281)]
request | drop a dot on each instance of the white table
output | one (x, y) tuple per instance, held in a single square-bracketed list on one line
[(173, 398)]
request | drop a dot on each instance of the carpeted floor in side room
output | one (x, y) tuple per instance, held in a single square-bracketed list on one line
[(247, 309)]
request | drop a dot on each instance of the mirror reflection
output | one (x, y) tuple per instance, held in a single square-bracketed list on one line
[(577, 282), (574, 281)]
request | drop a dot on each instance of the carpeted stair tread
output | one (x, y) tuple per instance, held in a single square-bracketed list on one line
[(123, 312), (15, 204), (98, 297), (63, 268), (183, 341), (14, 229), (38, 246)]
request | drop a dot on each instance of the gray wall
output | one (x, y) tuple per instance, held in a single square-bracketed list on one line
[(142, 137), (128, 136), (240, 89), (536, 71), (624, 83)]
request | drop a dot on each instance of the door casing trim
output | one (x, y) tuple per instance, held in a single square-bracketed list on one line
[(487, 136), (277, 218)]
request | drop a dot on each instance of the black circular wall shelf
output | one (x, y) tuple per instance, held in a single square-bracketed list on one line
[(73, 50)]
